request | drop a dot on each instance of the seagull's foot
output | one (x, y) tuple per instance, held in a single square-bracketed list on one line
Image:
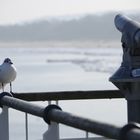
[(2, 87), (11, 93)]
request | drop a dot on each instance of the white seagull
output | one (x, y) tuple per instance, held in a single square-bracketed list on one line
[(8, 73)]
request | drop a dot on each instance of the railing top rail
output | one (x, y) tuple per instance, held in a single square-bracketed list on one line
[(22, 105), (69, 95)]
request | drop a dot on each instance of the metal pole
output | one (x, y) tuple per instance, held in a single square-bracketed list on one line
[(4, 124), (83, 123), (57, 102), (133, 103), (26, 125), (23, 106), (49, 102), (133, 111), (128, 132), (86, 134)]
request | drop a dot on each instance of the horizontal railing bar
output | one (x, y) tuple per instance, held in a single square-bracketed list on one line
[(88, 125), (69, 95), (22, 106), (96, 127), (99, 128)]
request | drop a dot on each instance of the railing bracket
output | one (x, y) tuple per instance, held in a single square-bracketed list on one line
[(128, 127), (47, 110)]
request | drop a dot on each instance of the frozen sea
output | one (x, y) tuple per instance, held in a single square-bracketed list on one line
[(60, 66)]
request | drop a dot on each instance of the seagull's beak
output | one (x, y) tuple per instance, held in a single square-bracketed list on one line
[(10, 62)]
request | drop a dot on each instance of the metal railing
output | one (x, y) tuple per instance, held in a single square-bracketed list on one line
[(69, 95), (53, 113)]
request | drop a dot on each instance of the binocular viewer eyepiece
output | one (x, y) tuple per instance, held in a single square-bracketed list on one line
[(130, 67), (130, 32)]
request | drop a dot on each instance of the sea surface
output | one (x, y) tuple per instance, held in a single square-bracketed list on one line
[(61, 66)]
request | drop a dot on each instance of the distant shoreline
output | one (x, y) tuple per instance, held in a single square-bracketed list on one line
[(67, 44)]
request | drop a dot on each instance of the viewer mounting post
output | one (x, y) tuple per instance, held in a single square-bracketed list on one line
[(127, 77)]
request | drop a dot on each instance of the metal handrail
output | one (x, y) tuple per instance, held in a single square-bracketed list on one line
[(22, 105), (69, 95), (54, 113), (130, 131)]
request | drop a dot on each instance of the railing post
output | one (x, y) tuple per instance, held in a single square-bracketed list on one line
[(53, 130), (4, 124), (52, 133), (26, 125)]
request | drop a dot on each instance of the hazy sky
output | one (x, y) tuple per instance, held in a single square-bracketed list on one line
[(16, 11)]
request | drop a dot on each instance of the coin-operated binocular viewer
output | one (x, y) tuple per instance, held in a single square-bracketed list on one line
[(127, 77)]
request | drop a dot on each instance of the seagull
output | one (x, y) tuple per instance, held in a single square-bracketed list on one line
[(8, 73)]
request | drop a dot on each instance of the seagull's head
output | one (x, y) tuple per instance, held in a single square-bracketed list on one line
[(8, 61)]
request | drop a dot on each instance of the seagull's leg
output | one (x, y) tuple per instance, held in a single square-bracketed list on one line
[(2, 87), (10, 87)]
